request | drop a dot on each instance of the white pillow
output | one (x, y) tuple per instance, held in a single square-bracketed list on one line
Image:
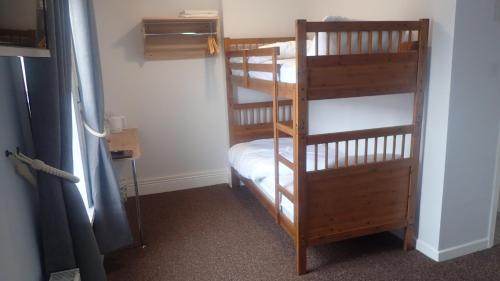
[(336, 18), (322, 38), (287, 49), (344, 48), (311, 47)]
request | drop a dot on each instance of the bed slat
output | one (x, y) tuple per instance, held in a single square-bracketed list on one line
[(362, 26), (285, 161), (350, 141)]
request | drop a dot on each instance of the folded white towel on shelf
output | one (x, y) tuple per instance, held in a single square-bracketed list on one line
[(199, 13)]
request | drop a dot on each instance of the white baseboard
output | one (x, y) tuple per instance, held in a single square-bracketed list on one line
[(426, 249), (177, 182), (464, 249), (452, 252)]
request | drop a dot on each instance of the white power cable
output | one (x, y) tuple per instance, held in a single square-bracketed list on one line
[(92, 131), (86, 125), (39, 165)]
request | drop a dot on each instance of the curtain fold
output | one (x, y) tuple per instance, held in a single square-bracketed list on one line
[(67, 237), (110, 224)]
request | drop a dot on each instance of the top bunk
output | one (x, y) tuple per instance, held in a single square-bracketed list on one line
[(331, 59)]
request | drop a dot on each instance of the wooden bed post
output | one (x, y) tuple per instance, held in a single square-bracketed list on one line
[(235, 181), (300, 120), (418, 104), (276, 133)]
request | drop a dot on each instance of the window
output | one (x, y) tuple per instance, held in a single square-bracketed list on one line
[(78, 164), (25, 81), (78, 140)]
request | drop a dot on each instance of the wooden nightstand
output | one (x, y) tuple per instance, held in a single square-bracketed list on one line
[(125, 145)]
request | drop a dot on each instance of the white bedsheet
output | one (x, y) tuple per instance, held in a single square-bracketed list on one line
[(286, 60), (255, 161)]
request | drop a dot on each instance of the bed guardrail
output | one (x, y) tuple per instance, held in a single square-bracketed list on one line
[(255, 120), (354, 148), (353, 59), (252, 43), (285, 90)]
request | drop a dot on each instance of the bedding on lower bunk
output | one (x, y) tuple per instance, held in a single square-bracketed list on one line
[(255, 161)]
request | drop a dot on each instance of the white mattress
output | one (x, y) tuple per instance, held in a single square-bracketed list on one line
[(255, 161), (287, 73), (286, 60)]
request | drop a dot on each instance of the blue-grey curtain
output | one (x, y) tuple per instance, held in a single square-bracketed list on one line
[(110, 225), (66, 234)]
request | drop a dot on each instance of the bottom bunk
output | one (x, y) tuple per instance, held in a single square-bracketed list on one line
[(349, 193)]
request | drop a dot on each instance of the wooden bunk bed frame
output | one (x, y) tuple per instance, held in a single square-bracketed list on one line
[(347, 199)]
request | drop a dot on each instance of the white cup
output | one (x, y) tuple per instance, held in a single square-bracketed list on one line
[(117, 123)]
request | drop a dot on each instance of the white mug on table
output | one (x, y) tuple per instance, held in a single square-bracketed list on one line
[(117, 123)]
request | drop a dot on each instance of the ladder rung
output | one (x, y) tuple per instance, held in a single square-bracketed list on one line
[(285, 129), (285, 161), (287, 193)]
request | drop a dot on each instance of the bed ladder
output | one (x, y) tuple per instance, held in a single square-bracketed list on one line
[(280, 129)]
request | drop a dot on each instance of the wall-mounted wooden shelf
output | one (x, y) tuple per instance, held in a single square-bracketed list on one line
[(21, 43), (179, 38)]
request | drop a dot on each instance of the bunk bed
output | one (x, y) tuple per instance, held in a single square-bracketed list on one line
[(328, 187)]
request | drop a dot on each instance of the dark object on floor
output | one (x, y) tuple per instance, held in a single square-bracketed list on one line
[(217, 233), (123, 154)]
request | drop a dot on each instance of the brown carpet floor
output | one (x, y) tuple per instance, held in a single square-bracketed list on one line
[(218, 233)]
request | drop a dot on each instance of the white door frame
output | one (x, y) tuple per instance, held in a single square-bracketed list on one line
[(494, 199)]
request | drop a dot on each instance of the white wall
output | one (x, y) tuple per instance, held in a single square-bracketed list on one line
[(360, 113), (276, 18), (472, 126), (20, 256), (442, 15), (179, 106), (365, 10), (260, 18)]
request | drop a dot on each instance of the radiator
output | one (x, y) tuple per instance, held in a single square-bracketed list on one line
[(67, 275)]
